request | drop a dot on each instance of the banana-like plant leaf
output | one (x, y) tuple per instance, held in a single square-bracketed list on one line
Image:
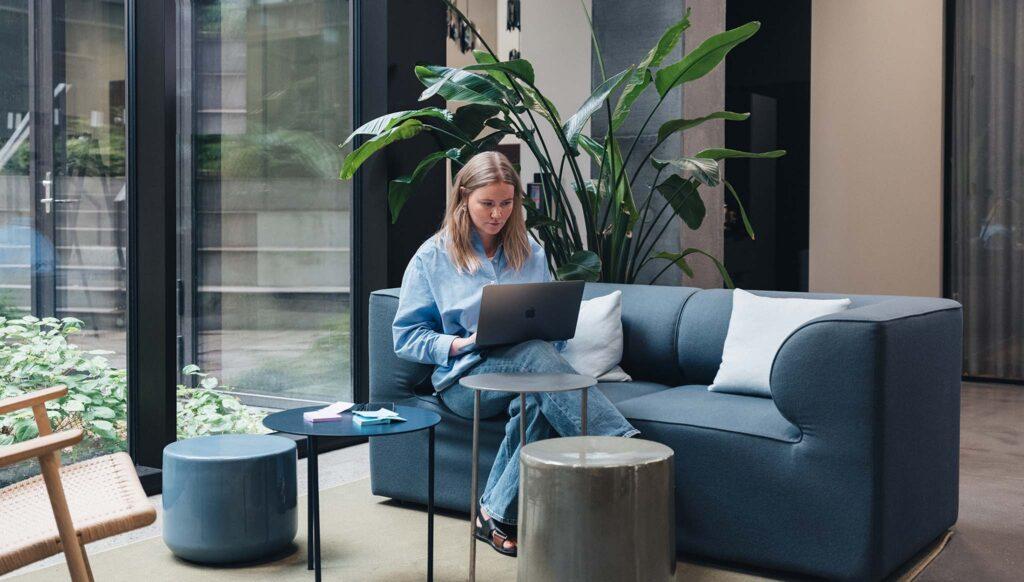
[(642, 77), (401, 189), (486, 58), (718, 264), (471, 118), (517, 67), (705, 170), (743, 212), (409, 128), (535, 101), (592, 147), (574, 125), (670, 127), (582, 265), (703, 59), (488, 142), (458, 85), (386, 122), (500, 124), (679, 259), (718, 154), (685, 200), (622, 194)]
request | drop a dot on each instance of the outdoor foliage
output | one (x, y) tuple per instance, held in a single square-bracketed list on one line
[(35, 353), (88, 151), (502, 98)]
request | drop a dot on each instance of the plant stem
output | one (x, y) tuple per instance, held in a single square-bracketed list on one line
[(662, 272), (642, 222), (449, 134)]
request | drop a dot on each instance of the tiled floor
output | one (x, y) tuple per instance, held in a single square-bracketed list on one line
[(989, 540)]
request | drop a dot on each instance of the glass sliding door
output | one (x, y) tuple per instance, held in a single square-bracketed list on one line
[(62, 218), (264, 222), (986, 185)]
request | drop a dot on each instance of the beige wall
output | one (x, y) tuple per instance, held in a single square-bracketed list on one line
[(484, 15), (876, 147), (556, 40)]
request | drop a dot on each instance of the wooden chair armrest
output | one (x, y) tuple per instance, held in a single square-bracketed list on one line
[(32, 398), (39, 446)]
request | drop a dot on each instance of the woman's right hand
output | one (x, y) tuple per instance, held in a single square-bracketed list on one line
[(460, 343)]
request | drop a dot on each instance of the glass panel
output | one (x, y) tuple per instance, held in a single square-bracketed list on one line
[(987, 186), (264, 221), (62, 219)]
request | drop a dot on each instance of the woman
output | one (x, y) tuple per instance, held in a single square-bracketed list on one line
[(483, 241)]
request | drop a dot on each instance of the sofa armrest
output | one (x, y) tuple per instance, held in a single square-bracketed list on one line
[(391, 378), (876, 392), (849, 365)]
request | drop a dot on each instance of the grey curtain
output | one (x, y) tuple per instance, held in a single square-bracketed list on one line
[(987, 185)]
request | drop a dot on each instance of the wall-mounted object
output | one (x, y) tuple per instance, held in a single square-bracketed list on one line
[(467, 41), (512, 20), (453, 24), (514, 54)]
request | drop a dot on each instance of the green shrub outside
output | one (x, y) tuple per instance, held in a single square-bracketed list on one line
[(35, 353)]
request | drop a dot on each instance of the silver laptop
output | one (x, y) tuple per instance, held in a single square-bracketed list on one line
[(510, 314)]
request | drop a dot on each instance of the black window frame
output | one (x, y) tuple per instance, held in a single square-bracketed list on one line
[(151, 46)]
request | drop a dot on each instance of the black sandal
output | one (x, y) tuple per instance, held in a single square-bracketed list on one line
[(488, 530)]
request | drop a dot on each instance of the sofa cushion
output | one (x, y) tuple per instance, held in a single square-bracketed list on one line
[(757, 328), (596, 349), (621, 391), (694, 405), (704, 324), (650, 324)]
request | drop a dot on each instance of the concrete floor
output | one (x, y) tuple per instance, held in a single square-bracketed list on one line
[(989, 540)]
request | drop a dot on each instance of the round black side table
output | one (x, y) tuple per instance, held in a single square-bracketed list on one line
[(291, 422)]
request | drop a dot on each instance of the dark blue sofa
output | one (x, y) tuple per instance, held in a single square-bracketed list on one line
[(845, 473)]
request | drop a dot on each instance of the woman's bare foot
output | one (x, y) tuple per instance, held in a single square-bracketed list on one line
[(509, 544)]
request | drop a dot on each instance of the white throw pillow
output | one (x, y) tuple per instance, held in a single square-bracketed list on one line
[(596, 349), (757, 328)]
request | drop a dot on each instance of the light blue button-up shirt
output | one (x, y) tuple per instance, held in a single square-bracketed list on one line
[(438, 304)]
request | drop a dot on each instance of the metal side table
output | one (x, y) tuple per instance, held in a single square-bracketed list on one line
[(523, 384), (291, 422)]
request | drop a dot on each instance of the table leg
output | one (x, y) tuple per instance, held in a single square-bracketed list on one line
[(473, 486), (314, 479), (430, 509), (310, 513), (309, 505), (583, 416)]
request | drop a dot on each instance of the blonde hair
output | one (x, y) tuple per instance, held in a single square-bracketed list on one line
[(482, 170)]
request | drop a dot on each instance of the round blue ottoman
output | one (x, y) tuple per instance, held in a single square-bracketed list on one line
[(229, 498)]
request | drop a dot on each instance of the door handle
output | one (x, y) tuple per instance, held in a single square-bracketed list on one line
[(47, 199)]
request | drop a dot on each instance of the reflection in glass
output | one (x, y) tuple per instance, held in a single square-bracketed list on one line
[(62, 219), (264, 220), (987, 186)]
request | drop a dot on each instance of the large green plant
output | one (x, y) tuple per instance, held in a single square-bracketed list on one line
[(615, 239)]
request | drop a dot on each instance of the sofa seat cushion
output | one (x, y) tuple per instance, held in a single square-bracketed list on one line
[(620, 391), (695, 406)]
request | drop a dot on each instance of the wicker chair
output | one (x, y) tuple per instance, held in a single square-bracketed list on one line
[(65, 507)]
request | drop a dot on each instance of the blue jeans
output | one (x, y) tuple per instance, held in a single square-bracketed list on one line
[(546, 413)]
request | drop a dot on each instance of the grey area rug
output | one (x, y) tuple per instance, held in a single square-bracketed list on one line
[(364, 538)]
